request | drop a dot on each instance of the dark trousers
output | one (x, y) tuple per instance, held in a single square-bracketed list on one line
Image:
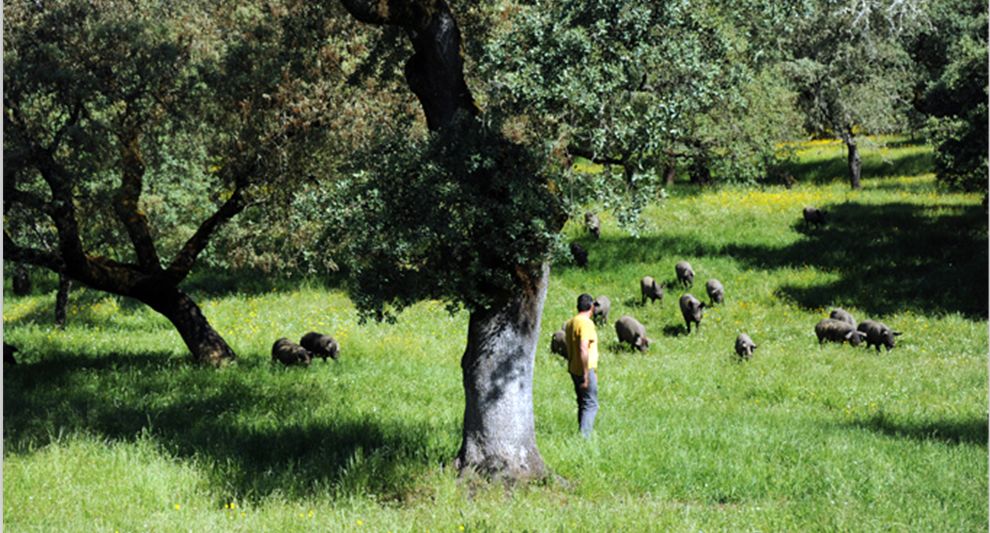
[(587, 401)]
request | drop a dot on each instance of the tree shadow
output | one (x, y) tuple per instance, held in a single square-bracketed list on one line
[(617, 347), (81, 304), (889, 258), (201, 285), (972, 431), (605, 252), (835, 169), (255, 441), (215, 283)]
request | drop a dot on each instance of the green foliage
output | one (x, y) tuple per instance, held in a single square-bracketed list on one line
[(952, 55), (453, 216), (640, 85), (850, 67), (75, 78), (217, 98), (741, 140), (105, 427)]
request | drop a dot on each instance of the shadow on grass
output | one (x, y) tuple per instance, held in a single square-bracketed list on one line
[(889, 258), (873, 166), (604, 253), (950, 431), (80, 310), (674, 330), (253, 437), (202, 285)]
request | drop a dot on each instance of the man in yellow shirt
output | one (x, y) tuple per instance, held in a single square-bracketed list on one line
[(582, 350)]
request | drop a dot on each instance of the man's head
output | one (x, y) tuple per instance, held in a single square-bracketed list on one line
[(584, 303)]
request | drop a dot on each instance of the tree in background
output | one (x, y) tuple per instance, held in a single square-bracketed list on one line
[(853, 74), (134, 132), (639, 86), (951, 53)]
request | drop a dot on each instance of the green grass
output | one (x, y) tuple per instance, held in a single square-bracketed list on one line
[(107, 427)]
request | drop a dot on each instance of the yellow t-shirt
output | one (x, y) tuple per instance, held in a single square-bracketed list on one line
[(577, 329)]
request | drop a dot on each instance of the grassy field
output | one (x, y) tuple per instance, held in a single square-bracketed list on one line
[(108, 428)]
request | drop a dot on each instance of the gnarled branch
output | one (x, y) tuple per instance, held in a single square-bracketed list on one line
[(126, 200), (31, 256), (435, 72), (27, 199), (186, 258)]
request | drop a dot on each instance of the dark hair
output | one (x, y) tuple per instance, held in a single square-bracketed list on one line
[(584, 302)]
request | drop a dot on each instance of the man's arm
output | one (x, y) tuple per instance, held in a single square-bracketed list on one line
[(584, 349)]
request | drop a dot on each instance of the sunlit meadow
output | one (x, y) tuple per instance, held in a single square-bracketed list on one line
[(107, 427)]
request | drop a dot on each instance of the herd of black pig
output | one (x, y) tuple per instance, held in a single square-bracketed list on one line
[(840, 327)]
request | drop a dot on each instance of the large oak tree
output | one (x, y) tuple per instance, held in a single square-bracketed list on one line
[(123, 119), (464, 215)]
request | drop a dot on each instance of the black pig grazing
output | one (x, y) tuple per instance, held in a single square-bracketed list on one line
[(744, 346), (830, 329), (558, 344), (691, 309), (649, 288), (602, 305), (320, 345), (580, 254), (813, 215), (629, 330), (593, 224), (841, 314), (685, 274), (290, 353), (878, 333), (716, 293)]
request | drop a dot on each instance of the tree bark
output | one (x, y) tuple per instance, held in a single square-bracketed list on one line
[(855, 165), (670, 173), (21, 283), (205, 344), (62, 300), (499, 436)]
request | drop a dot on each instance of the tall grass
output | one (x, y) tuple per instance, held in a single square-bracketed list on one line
[(107, 427)]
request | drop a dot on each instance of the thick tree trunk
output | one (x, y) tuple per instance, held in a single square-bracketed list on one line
[(62, 300), (855, 165), (205, 344), (670, 173), (21, 283), (499, 437)]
